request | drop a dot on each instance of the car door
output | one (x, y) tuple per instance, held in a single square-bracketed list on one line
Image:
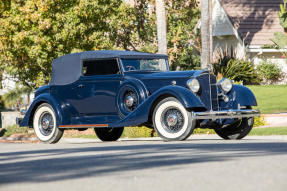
[(97, 88)]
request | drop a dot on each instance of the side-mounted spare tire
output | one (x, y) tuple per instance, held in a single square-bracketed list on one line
[(130, 96)]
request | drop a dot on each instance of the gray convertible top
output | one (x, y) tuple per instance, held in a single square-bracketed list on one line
[(67, 69)]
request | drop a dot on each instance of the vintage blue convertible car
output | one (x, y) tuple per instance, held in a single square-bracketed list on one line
[(109, 90)]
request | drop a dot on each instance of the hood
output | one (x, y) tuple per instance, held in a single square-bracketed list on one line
[(164, 75), (156, 80)]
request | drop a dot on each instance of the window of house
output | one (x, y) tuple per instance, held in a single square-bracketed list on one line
[(100, 67)]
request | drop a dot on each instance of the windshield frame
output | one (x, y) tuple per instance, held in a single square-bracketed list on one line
[(136, 71)]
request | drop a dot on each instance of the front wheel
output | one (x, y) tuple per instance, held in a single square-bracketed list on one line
[(172, 121), (237, 130), (44, 124), (109, 134)]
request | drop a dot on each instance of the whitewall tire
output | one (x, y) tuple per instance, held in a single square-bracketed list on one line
[(45, 126), (172, 121)]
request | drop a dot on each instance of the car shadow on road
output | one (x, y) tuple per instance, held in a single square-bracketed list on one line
[(52, 164)]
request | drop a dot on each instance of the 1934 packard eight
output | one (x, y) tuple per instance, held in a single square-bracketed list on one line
[(109, 90)]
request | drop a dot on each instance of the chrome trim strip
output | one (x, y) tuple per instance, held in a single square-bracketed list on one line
[(83, 126)]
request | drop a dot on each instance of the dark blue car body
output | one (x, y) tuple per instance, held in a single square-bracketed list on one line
[(95, 101)]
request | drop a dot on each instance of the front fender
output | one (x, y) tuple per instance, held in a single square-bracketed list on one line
[(141, 114), (185, 96), (43, 98), (243, 96)]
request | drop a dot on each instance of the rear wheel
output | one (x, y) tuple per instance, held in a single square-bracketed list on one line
[(44, 124), (109, 134), (237, 130), (172, 121)]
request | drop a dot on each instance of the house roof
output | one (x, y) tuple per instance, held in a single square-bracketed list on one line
[(255, 20)]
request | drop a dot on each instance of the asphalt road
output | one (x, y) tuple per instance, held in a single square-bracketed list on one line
[(205, 163)]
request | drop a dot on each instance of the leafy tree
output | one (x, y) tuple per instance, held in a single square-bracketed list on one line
[(280, 39), (133, 27), (34, 32), (182, 18), (283, 15), (4, 5)]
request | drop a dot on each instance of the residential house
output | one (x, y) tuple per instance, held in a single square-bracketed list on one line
[(247, 26), (7, 84)]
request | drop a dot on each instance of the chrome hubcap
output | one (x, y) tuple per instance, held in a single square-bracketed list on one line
[(46, 123), (129, 101), (172, 120)]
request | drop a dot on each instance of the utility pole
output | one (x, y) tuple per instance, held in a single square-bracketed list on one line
[(206, 34), (161, 26)]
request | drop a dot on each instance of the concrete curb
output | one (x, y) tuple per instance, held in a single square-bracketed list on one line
[(193, 137), (18, 139)]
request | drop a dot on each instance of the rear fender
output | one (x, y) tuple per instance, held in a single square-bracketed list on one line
[(43, 98)]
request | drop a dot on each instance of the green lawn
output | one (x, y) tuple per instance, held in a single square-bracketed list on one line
[(255, 131), (271, 99), (269, 131)]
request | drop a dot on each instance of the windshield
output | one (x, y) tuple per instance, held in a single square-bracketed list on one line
[(144, 65)]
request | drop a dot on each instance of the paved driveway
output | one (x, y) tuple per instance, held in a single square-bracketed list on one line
[(206, 163)]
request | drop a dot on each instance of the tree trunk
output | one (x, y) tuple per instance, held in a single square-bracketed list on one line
[(28, 100), (206, 33), (161, 26)]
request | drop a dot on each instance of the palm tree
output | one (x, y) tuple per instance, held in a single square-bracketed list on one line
[(161, 26), (206, 33)]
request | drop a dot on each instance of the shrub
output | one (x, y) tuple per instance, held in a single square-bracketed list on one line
[(237, 70), (229, 65), (259, 121), (198, 131), (14, 129), (136, 132), (269, 72)]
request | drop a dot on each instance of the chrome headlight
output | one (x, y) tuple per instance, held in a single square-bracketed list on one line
[(193, 85), (225, 85)]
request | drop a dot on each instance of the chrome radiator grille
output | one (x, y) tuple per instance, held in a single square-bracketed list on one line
[(208, 94)]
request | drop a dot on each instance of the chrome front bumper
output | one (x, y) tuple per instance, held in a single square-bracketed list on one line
[(227, 114)]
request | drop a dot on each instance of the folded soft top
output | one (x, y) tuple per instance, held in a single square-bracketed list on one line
[(68, 68)]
